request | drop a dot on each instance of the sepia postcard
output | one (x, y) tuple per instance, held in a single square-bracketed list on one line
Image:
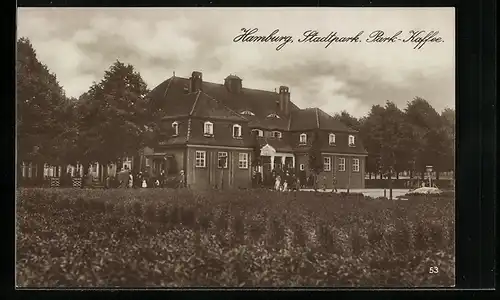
[(235, 148)]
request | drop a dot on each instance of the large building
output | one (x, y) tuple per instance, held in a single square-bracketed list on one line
[(209, 126)]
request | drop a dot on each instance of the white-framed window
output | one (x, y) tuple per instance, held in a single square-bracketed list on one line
[(327, 164), (341, 164), (276, 134), (175, 127), (259, 132), (208, 128), (302, 167), (352, 141), (273, 116), (222, 160), (148, 162), (200, 159), (331, 138), (303, 138), (247, 112), (236, 131), (243, 161), (355, 164)]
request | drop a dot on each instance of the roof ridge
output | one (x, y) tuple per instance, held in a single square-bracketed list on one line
[(289, 121), (168, 85), (194, 104), (317, 117), (226, 107), (242, 88)]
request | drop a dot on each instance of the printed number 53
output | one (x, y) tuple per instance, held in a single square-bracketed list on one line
[(433, 270)]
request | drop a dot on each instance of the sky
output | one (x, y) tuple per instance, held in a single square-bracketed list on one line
[(79, 45)]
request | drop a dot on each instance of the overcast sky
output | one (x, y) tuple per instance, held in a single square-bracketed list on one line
[(80, 44)]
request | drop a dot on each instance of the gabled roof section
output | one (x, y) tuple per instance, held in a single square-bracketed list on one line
[(314, 118), (206, 106), (173, 97), (328, 122), (261, 103), (180, 106)]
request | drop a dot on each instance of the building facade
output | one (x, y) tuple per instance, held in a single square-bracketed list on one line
[(209, 133)]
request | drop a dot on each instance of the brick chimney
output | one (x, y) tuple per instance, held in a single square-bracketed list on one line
[(233, 84), (195, 82), (284, 101)]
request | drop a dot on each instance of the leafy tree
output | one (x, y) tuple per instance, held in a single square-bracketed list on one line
[(114, 116), (41, 109), (256, 149), (448, 116), (371, 134), (425, 133), (315, 156), (348, 120)]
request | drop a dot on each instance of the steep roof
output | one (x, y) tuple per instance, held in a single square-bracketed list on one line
[(218, 102), (262, 103), (315, 118), (206, 106)]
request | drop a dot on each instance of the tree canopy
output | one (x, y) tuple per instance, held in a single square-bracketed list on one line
[(113, 116), (315, 156), (43, 111)]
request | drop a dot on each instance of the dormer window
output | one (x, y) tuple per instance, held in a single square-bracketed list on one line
[(331, 138), (208, 129), (258, 132), (276, 134), (273, 116), (236, 131), (247, 112), (175, 127), (303, 139), (352, 141)]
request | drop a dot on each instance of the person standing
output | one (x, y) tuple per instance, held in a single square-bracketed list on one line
[(130, 181), (138, 181), (285, 182), (181, 179), (108, 182), (334, 184), (277, 183), (162, 178)]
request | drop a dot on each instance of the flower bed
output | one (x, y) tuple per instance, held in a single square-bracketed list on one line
[(179, 238)]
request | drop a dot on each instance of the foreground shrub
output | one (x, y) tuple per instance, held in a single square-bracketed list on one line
[(158, 237)]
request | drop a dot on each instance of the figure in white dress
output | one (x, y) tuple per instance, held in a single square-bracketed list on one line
[(144, 183), (285, 182), (277, 183), (130, 181)]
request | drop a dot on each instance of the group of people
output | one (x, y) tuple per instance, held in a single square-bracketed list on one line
[(125, 179), (287, 180)]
